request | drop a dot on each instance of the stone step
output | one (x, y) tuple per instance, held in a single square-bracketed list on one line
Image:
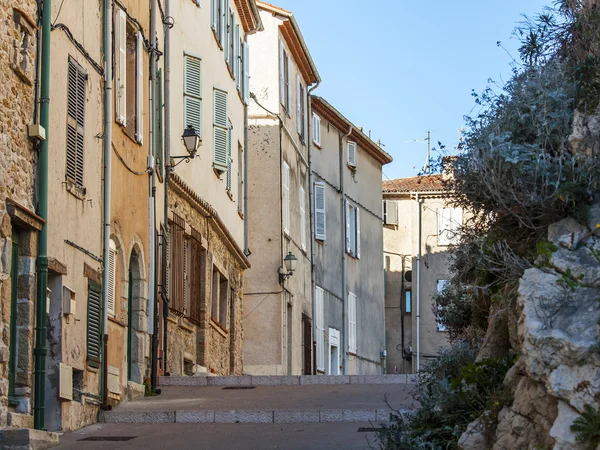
[(252, 380), (247, 416)]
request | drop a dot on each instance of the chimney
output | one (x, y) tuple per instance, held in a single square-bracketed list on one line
[(449, 167)]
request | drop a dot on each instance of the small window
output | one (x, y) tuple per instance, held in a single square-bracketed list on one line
[(240, 166), (352, 338), (390, 212), (301, 108), (352, 230), (316, 130), (449, 224), (94, 324), (320, 212), (221, 131), (351, 150), (302, 201), (76, 99), (284, 78), (286, 197), (219, 304), (112, 277), (192, 93), (407, 301), (320, 328), (441, 285)]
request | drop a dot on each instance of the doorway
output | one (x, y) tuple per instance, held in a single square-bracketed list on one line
[(334, 352), (307, 345)]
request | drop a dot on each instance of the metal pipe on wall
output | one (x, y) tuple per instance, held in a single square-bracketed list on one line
[(418, 284), (344, 268)]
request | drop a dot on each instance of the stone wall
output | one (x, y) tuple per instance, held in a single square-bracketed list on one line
[(216, 347), (17, 174)]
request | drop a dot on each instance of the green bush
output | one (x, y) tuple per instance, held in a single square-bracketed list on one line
[(587, 427)]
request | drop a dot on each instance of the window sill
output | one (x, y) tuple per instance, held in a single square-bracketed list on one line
[(218, 173), (172, 320), (241, 214), (354, 353), (317, 144), (76, 191), (219, 328), (320, 241), (116, 321), (217, 39), (186, 325), (230, 195)]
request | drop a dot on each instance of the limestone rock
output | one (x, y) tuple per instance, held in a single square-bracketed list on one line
[(473, 438), (496, 342), (567, 233)]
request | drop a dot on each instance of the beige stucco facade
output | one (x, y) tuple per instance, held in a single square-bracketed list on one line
[(401, 248), (278, 311)]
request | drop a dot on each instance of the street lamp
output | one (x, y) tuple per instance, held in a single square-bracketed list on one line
[(290, 262), (192, 140)]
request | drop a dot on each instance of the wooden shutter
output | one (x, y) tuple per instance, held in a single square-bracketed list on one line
[(304, 113), (316, 129), (298, 105), (197, 261), (228, 32), (112, 276), (351, 154), (213, 14), (186, 278), (220, 130), (177, 250), (236, 57), (302, 219), (229, 133), (76, 96), (286, 197), (121, 63), (192, 93), (94, 324), (320, 212), (390, 212), (222, 21), (158, 135), (357, 209), (320, 328), (139, 89), (288, 88), (348, 229), (246, 68), (351, 322), (281, 74)]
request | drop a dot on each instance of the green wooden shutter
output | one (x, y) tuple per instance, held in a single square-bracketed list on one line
[(75, 122), (220, 130), (94, 324), (192, 93)]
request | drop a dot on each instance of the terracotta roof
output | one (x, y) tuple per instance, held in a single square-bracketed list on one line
[(425, 183), (291, 33), (249, 15), (337, 119)]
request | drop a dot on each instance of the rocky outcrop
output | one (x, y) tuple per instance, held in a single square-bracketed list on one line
[(558, 342)]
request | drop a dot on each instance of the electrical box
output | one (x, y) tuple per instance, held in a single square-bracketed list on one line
[(66, 382), (69, 303), (35, 130)]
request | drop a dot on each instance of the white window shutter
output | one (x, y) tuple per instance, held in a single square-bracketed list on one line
[(139, 89), (287, 81), (286, 198), (229, 160), (228, 32), (220, 130), (222, 22), (320, 212), (304, 112), (320, 328), (112, 275), (298, 104), (121, 60), (302, 219), (213, 14), (348, 229), (357, 232), (246, 68), (192, 90), (236, 57), (390, 208), (316, 129), (457, 220), (281, 74), (351, 322), (351, 153)]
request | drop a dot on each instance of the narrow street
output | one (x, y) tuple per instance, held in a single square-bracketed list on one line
[(244, 415)]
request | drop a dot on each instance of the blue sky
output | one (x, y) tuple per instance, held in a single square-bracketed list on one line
[(405, 67)]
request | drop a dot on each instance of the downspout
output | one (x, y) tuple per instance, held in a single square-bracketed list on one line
[(108, 114), (247, 251), (167, 140), (42, 259), (310, 217), (152, 201), (344, 267), (418, 285)]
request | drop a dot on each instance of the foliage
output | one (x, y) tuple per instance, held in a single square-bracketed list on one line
[(453, 390), (587, 427)]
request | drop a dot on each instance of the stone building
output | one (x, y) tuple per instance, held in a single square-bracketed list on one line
[(278, 305), (419, 226), (206, 192), (348, 243), (19, 224)]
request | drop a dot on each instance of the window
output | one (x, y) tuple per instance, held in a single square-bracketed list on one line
[(284, 78), (192, 93), (302, 219), (352, 230), (320, 212), (316, 130), (112, 277), (197, 277), (300, 108), (351, 150), (246, 72), (94, 324), (129, 84), (186, 277), (441, 285), (237, 57), (449, 224), (351, 322), (320, 328), (390, 212), (177, 280), (286, 198), (220, 303), (220, 127), (229, 160), (240, 166), (218, 9), (407, 301), (75, 122), (230, 54)]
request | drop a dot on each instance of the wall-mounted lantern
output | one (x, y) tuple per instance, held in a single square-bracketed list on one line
[(290, 262)]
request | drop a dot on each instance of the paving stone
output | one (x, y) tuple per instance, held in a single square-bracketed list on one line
[(296, 416), (138, 417), (359, 416), (275, 381), (182, 381), (244, 380), (254, 416), (194, 416), (324, 379), (224, 416), (412, 378)]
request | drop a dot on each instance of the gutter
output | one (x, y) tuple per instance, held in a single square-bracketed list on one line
[(42, 257), (344, 262), (418, 312)]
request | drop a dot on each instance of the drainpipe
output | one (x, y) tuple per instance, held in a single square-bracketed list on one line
[(152, 201), (418, 285), (247, 251), (42, 259), (344, 267), (167, 140), (310, 216), (108, 114)]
